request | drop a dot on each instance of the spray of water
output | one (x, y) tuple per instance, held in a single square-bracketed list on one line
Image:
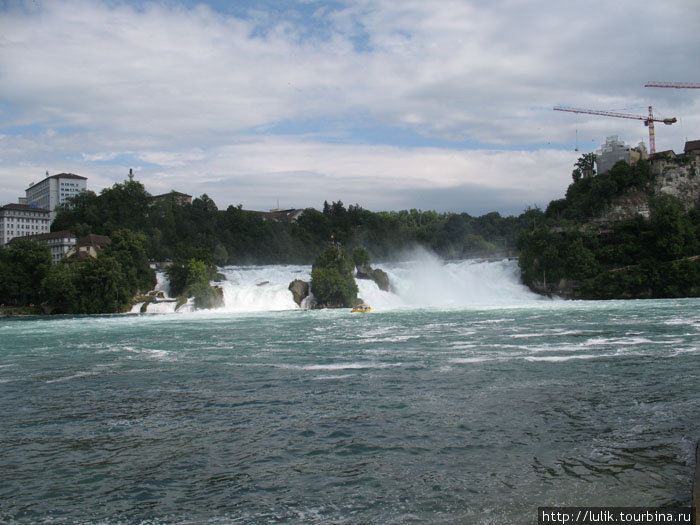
[(421, 281), (427, 281)]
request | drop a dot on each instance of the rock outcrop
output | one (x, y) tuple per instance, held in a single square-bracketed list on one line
[(332, 280), (678, 177), (674, 175), (626, 206), (299, 289), (365, 271)]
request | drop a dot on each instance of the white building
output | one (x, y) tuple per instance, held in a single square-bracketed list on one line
[(615, 150), (59, 243), (20, 220), (55, 190)]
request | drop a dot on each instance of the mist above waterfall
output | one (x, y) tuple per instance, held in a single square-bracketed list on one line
[(425, 280), (422, 281)]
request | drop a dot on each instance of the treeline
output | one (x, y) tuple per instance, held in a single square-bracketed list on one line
[(636, 258), (235, 236), (105, 284)]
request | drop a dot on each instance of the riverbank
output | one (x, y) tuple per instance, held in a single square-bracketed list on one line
[(12, 311)]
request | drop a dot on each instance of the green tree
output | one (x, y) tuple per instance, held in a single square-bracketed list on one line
[(129, 249), (674, 235), (360, 257), (586, 164), (580, 262), (124, 205), (59, 289), (26, 264), (332, 282), (102, 286)]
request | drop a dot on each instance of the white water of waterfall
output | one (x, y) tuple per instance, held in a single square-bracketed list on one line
[(426, 282)]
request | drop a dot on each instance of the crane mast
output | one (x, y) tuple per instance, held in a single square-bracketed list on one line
[(648, 120), (677, 85)]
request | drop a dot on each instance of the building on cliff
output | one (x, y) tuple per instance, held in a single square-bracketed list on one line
[(677, 175), (614, 150), (22, 220), (59, 243), (175, 197), (89, 246), (692, 147), (54, 190)]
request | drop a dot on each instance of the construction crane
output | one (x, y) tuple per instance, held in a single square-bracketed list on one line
[(648, 121), (678, 85)]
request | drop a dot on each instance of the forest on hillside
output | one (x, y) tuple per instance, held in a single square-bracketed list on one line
[(236, 236)]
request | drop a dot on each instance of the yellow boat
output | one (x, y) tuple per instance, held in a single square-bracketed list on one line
[(361, 308)]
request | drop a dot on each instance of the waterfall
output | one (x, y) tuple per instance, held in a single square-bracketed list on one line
[(423, 282)]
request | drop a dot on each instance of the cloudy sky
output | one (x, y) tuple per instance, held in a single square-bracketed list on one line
[(443, 105)]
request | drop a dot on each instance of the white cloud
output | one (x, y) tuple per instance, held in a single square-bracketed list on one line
[(88, 86), (303, 174)]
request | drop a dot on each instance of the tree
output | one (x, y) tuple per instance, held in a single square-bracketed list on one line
[(125, 205), (580, 261), (59, 289), (220, 255), (586, 165), (360, 257), (102, 286), (332, 282), (26, 264), (674, 235), (129, 249)]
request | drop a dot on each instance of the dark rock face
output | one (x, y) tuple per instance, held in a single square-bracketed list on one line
[(299, 289), (364, 271), (378, 276), (382, 280), (209, 298)]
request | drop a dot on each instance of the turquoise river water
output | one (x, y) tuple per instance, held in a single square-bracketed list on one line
[(461, 398)]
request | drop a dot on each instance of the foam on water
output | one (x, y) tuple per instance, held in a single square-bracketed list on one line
[(260, 288), (424, 282), (433, 415)]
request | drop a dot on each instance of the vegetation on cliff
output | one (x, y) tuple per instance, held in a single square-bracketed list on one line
[(190, 276), (635, 258), (332, 281)]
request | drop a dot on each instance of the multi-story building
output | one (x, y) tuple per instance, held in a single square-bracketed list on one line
[(55, 190), (21, 220), (59, 243), (615, 150)]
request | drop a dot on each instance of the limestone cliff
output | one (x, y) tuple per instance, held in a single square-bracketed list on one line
[(678, 177), (674, 175)]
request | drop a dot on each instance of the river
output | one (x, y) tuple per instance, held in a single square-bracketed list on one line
[(461, 398)]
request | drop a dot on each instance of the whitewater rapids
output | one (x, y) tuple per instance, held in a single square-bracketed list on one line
[(424, 282)]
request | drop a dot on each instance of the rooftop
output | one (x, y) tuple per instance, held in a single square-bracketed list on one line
[(45, 236), (172, 193), (94, 240), (692, 145), (59, 176), (22, 207)]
